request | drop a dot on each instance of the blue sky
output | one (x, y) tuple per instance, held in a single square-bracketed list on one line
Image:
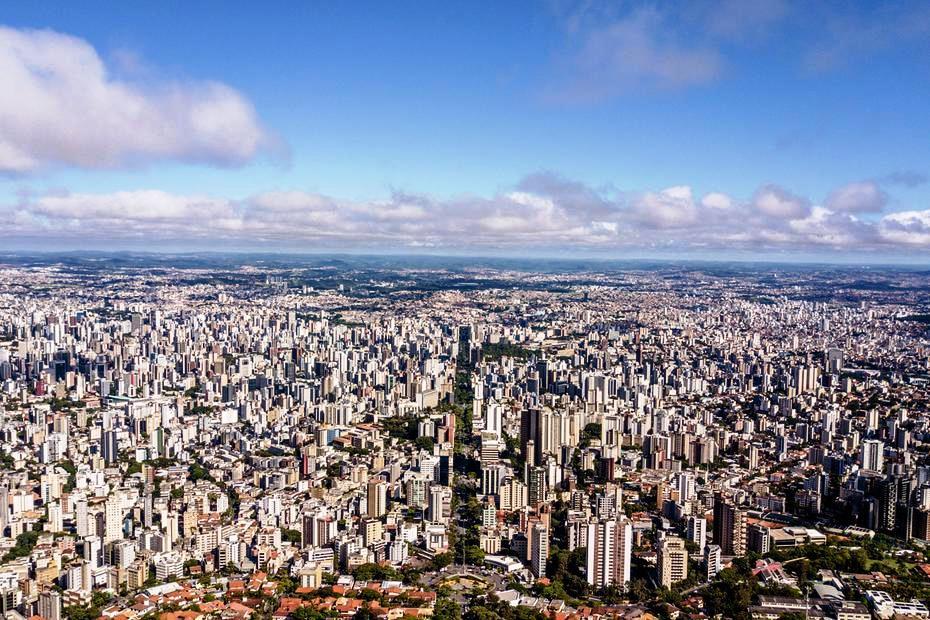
[(392, 126)]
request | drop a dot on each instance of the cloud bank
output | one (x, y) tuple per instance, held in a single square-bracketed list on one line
[(543, 211)]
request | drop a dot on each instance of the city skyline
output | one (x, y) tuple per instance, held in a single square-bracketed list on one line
[(750, 130)]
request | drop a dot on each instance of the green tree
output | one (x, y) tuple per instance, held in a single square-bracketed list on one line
[(25, 543), (424, 443), (292, 536)]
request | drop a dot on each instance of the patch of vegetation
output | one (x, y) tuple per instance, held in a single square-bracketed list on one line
[(495, 351), (25, 543)]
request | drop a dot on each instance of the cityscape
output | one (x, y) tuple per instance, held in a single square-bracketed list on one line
[(331, 437), (524, 310)]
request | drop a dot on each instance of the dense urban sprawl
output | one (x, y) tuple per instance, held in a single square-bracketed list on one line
[(252, 439)]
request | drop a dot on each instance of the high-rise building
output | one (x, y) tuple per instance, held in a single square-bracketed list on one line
[(317, 529), (729, 527), (697, 532), (529, 433), (758, 539), (489, 515), (490, 448), (169, 565), (536, 484), (512, 494), (493, 416), (50, 605), (82, 518), (887, 492), (416, 492), (713, 561), (920, 524), (113, 519), (610, 546), (491, 476), (109, 447), (684, 485), (4, 507), (871, 455), (672, 561), (539, 539), (147, 507), (377, 498), (54, 517), (440, 504)]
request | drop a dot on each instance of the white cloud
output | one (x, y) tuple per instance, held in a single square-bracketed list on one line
[(776, 202), (291, 202), (672, 207), (906, 227), (861, 197), (541, 211), (60, 105), (717, 200), (143, 206), (826, 227)]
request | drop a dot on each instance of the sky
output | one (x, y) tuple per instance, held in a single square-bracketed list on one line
[(731, 129)]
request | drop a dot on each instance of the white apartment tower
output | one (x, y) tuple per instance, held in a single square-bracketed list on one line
[(610, 544)]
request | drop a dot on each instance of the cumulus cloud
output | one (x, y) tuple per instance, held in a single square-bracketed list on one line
[(906, 227), (860, 197), (826, 227), (571, 195), (717, 200), (543, 211), (672, 207), (779, 203), (61, 105)]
